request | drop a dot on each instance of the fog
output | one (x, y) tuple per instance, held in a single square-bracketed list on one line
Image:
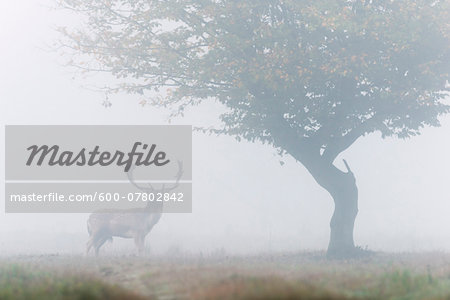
[(244, 199)]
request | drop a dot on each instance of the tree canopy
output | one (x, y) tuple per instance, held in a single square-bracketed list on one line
[(319, 74)]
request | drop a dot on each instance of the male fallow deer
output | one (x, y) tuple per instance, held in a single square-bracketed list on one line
[(133, 223)]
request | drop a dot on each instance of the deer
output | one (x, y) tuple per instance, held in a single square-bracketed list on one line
[(135, 223)]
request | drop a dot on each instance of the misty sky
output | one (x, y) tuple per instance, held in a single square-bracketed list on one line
[(244, 200)]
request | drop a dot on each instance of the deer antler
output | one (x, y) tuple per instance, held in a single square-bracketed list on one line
[(150, 188), (177, 177)]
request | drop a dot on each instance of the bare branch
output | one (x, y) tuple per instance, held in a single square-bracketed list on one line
[(348, 167)]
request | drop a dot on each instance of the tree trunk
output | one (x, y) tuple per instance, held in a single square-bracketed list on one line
[(342, 187), (345, 196)]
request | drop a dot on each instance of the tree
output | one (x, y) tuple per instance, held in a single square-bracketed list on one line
[(308, 77)]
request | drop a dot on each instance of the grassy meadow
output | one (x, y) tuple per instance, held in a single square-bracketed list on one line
[(276, 276)]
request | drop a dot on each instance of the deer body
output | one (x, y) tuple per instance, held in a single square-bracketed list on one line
[(133, 223)]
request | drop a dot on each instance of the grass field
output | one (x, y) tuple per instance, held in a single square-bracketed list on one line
[(280, 276)]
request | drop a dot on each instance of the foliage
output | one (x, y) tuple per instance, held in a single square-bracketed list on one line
[(314, 75)]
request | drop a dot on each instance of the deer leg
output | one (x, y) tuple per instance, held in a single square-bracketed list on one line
[(139, 241), (98, 243), (89, 244)]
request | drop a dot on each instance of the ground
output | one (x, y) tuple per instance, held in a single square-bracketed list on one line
[(269, 276)]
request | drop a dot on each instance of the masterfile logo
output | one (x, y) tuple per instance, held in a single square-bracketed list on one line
[(93, 157), (97, 152), (86, 168)]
